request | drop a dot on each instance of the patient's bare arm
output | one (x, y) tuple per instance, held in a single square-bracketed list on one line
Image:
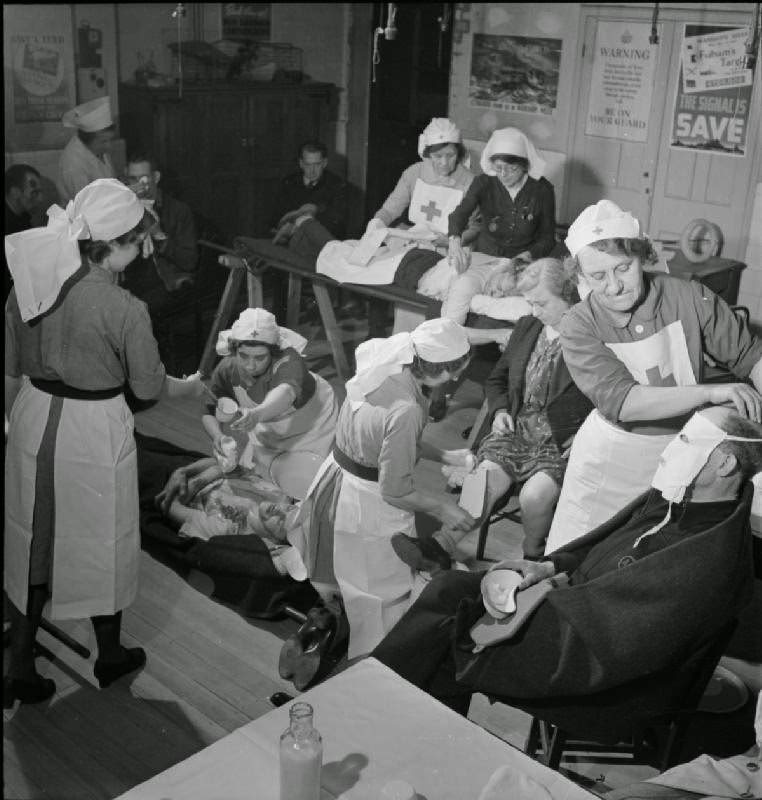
[(185, 482)]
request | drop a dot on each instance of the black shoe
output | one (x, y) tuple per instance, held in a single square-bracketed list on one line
[(36, 691), (425, 555), (106, 673), (309, 653)]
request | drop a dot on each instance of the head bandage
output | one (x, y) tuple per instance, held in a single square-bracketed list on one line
[(95, 115), (42, 259), (684, 458), (604, 220), (511, 142), (439, 131), (436, 340), (258, 325)]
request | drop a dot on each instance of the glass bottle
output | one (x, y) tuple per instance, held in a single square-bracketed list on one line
[(301, 756)]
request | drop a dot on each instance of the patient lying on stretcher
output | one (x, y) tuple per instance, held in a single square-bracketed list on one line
[(205, 502)]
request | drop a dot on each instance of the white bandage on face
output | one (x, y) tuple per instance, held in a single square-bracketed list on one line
[(685, 456)]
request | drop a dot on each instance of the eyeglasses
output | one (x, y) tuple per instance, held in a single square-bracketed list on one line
[(501, 168), (136, 180)]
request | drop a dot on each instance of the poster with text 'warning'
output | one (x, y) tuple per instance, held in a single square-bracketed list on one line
[(713, 94), (622, 81)]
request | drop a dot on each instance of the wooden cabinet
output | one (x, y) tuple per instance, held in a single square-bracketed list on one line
[(224, 148)]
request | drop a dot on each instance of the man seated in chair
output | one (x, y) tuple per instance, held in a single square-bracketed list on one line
[(647, 589), (164, 273)]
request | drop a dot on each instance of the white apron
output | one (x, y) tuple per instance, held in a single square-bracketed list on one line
[(609, 467), (431, 205), (96, 543), (309, 428)]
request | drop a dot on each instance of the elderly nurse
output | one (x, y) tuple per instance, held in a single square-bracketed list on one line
[(282, 406), (635, 347), (73, 340), (366, 490)]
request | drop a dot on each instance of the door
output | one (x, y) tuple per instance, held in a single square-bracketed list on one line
[(690, 184), (412, 85), (617, 170)]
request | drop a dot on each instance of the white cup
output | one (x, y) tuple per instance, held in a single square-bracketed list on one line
[(226, 409)]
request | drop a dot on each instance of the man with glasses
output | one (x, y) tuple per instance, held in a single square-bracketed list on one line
[(23, 194)]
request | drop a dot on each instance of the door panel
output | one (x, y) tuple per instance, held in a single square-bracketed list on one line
[(702, 185)]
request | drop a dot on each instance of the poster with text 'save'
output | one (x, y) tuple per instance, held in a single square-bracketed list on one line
[(621, 87), (713, 94)]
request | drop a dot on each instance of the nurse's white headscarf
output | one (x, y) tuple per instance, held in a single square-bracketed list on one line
[(439, 131), (436, 340), (260, 326), (42, 259), (511, 142), (604, 220)]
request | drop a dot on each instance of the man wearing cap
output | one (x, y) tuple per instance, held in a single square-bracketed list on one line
[(635, 347), (23, 194), (648, 591), (86, 157)]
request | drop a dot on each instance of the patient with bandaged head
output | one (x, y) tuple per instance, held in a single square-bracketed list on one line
[(648, 590)]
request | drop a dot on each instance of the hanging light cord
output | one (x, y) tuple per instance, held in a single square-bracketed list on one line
[(178, 14), (654, 37)]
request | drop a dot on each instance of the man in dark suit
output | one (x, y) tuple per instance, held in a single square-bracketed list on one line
[(646, 588), (23, 193)]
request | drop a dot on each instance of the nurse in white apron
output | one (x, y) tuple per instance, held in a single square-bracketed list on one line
[(365, 491), (73, 340), (635, 346)]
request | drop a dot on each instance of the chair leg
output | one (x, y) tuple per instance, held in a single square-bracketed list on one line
[(533, 738), (674, 744), (482, 543), (556, 750)]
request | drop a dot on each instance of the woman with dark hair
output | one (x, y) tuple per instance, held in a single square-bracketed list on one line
[(282, 405), (74, 338), (535, 409), (635, 347), (366, 491)]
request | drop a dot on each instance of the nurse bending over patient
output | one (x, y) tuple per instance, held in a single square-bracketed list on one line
[(71, 484)]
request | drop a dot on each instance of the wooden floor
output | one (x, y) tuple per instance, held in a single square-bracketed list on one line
[(209, 670)]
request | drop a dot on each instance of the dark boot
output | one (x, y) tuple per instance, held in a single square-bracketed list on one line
[(424, 555)]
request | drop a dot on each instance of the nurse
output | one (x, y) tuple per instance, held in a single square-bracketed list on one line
[(283, 407), (635, 347), (73, 340), (366, 491), (86, 157)]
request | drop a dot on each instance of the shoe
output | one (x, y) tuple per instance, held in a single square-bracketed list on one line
[(36, 691), (424, 555), (106, 673), (314, 648)]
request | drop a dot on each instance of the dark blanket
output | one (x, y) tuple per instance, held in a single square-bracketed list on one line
[(240, 566)]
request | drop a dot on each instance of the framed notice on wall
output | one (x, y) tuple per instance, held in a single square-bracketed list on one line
[(250, 21), (713, 94), (514, 73), (621, 87)]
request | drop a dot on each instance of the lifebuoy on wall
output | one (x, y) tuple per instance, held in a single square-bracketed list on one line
[(701, 240)]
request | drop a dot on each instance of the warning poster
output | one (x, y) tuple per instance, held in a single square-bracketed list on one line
[(713, 95)]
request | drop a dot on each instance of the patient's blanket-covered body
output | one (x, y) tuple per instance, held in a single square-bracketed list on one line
[(240, 564)]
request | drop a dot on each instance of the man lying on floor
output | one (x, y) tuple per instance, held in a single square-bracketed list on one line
[(647, 589)]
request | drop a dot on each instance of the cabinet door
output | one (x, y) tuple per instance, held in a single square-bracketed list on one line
[(221, 165), (176, 143)]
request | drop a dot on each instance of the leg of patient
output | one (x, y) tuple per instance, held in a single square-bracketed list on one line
[(486, 335), (538, 498)]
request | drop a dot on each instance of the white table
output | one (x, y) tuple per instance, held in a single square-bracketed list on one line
[(376, 727)]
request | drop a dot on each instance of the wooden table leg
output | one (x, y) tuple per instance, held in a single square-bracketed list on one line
[(254, 288), (332, 331), (294, 300), (221, 318)]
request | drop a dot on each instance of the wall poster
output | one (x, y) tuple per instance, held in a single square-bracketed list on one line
[(42, 76), (246, 21), (713, 95), (624, 64), (514, 73)]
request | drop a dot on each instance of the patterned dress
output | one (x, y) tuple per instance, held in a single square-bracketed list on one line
[(530, 448)]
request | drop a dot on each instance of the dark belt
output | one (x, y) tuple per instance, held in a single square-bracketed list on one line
[(61, 389), (351, 466)]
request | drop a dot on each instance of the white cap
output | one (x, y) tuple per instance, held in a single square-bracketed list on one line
[(92, 116), (604, 220), (259, 325), (439, 131), (42, 259), (511, 142), (439, 340)]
